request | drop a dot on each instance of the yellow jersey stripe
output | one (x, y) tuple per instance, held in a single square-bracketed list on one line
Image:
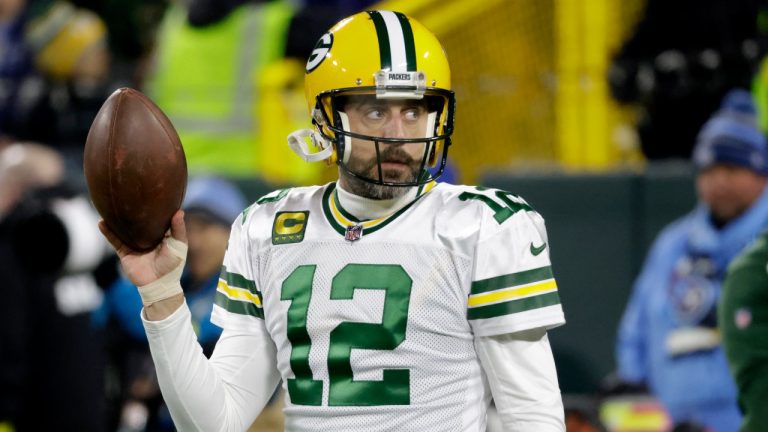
[(512, 293), (238, 293), (428, 187), (346, 222)]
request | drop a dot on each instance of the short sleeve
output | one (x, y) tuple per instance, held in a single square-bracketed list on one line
[(513, 287), (238, 302)]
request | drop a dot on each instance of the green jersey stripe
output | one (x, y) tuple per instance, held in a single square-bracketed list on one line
[(235, 280), (393, 217), (381, 33), (238, 307), (424, 174), (512, 279), (327, 210), (514, 306)]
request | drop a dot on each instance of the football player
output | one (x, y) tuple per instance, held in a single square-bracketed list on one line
[(384, 301)]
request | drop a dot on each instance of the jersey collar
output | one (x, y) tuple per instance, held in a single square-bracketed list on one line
[(340, 219)]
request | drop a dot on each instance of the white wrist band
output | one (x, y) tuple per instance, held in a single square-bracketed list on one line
[(168, 285)]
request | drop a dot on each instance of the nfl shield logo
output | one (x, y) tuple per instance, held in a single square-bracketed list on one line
[(743, 318), (354, 232)]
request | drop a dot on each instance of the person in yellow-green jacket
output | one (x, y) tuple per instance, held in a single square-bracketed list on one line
[(226, 73), (204, 78)]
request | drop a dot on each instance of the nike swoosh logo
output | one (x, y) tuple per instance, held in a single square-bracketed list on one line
[(535, 250)]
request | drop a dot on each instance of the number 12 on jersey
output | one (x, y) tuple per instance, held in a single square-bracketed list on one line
[(344, 390)]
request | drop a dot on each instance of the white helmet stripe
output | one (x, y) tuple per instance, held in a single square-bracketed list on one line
[(396, 41)]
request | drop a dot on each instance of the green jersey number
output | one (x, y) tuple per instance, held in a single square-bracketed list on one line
[(344, 390), (501, 212)]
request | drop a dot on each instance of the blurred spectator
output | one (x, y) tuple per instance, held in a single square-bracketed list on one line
[(209, 56), (68, 43), (668, 336), (680, 61), (743, 319), (132, 33), (228, 74), (55, 101), (53, 263), (15, 58), (211, 205)]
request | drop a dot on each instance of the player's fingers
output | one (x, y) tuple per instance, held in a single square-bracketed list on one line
[(178, 227), (110, 236)]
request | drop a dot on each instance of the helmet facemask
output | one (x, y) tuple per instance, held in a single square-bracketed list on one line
[(332, 122)]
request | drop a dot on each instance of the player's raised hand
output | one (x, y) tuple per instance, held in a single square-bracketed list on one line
[(142, 268)]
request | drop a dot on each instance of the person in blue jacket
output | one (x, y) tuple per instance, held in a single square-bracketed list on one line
[(668, 338), (210, 206)]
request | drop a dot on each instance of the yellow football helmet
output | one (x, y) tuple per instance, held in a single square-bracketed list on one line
[(391, 56)]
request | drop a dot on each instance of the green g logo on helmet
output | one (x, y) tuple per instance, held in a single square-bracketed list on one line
[(319, 52)]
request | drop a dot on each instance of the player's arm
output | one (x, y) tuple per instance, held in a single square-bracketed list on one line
[(512, 301), (523, 379), (225, 393)]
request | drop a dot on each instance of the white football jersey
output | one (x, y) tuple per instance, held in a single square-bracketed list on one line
[(374, 321)]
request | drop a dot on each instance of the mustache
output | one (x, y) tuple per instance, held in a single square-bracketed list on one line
[(369, 168), (396, 155)]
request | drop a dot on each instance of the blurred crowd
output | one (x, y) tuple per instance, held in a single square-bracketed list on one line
[(73, 354), (229, 74)]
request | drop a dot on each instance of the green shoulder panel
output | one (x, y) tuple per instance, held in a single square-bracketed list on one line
[(503, 204)]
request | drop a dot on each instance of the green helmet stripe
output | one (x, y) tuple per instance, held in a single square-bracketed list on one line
[(397, 48), (383, 36)]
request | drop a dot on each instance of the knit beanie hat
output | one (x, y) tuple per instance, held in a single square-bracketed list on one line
[(218, 199), (732, 135)]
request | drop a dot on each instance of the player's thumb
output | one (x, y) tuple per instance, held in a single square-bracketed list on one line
[(178, 227)]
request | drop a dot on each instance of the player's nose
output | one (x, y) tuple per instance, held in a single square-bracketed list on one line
[(396, 127)]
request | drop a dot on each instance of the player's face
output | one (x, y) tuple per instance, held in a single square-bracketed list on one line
[(729, 190), (207, 242), (386, 119)]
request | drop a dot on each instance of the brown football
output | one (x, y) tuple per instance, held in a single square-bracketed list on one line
[(135, 168)]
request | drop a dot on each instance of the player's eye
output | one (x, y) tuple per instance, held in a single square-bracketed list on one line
[(374, 113), (413, 114)]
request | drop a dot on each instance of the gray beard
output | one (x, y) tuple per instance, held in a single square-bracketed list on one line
[(365, 189)]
